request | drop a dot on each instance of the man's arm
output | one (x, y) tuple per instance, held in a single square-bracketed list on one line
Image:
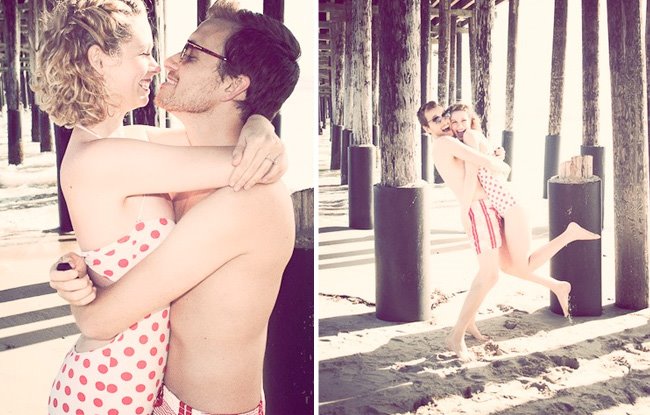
[(212, 233), (258, 157), (468, 154)]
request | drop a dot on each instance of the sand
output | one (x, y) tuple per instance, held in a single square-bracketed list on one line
[(536, 363)]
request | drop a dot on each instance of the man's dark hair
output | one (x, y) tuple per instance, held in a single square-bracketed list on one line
[(265, 51), (425, 107)]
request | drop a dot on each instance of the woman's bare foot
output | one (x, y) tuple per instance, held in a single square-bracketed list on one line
[(457, 345), (474, 331), (578, 233), (562, 293)]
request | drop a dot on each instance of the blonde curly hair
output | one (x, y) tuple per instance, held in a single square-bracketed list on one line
[(67, 87)]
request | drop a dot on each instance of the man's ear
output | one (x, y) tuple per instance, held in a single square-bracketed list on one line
[(96, 58), (236, 88)]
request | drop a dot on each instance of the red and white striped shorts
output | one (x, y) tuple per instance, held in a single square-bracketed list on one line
[(168, 404), (486, 226)]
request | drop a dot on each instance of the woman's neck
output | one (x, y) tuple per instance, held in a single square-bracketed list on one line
[(107, 128)]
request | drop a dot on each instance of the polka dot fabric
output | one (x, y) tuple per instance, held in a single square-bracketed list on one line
[(122, 377), (497, 192)]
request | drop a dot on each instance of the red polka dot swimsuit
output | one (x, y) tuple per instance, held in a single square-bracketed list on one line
[(497, 192), (123, 376)]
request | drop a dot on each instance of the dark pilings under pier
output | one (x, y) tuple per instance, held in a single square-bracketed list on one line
[(346, 139), (61, 139), (361, 161), (579, 262), (335, 154), (402, 253), (507, 142), (551, 159), (427, 160), (289, 359)]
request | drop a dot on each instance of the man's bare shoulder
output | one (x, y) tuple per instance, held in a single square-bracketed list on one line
[(265, 207)]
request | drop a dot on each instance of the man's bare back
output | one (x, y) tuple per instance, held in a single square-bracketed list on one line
[(219, 327)]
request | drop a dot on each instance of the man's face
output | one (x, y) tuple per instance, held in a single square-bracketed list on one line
[(193, 83), (437, 125), (460, 122)]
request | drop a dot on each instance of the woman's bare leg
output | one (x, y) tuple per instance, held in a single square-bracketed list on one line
[(485, 279), (517, 232)]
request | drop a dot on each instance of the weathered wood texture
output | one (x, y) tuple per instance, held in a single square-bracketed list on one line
[(630, 152), (11, 80), (337, 30), (274, 8), (425, 39), (590, 73), (647, 62), (443, 52), (511, 64), (202, 7), (453, 22), (576, 169), (484, 12), (348, 104), (459, 66), (362, 72), (558, 56), (399, 82), (471, 23), (303, 209), (375, 68)]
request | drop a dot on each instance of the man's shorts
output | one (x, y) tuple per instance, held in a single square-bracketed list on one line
[(486, 226), (168, 404)]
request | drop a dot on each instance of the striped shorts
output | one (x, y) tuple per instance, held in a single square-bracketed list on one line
[(486, 226), (168, 404)]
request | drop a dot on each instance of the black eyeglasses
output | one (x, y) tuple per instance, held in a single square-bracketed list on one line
[(198, 47), (437, 119)]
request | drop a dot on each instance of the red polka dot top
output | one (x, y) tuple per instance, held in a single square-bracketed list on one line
[(122, 377)]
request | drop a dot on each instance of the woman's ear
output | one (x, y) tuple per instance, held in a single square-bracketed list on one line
[(95, 57), (236, 88)]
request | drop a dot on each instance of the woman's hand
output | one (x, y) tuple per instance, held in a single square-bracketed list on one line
[(72, 284), (259, 156), (500, 153)]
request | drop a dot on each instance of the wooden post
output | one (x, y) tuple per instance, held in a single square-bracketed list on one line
[(148, 115), (443, 52), (551, 154), (507, 141), (647, 62), (361, 154), (471, 23), (426, 166), (11, 80), (32, 18), (630, 131), (361, 71), (484, 12), (275, 9), (348, 106), (453, 22), (574, 196), (375, 78), (459, 66), (202, 7), (337, 79), (289, 357), (61, 138), (590, 93), (425, 40), (401, 241)]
